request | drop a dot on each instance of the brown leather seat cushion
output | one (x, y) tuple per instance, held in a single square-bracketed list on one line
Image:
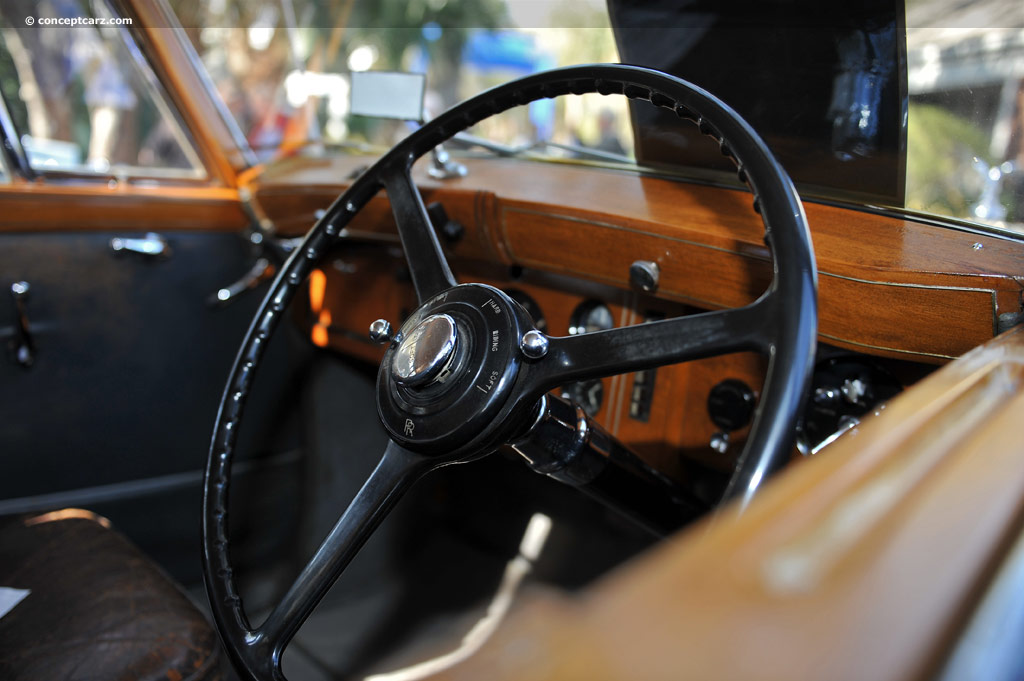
[(98, 608)]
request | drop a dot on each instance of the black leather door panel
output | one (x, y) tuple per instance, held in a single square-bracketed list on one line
[(130, 359)]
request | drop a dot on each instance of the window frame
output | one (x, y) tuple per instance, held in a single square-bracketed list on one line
[(201, 171)]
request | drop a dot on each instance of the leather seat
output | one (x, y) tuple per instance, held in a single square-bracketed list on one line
[(98, 608)]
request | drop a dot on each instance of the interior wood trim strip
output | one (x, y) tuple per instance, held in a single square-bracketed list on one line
[(620, 228), (965, 331)]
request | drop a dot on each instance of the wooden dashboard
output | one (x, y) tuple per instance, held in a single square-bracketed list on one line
[(562, 235), (887, 286), (865, 562)]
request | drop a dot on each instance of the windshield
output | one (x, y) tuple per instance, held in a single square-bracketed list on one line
[(283, 68), (965, 78), (916, 107)]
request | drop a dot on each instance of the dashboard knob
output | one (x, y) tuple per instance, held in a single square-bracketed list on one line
[(731, 404), (644, 275)]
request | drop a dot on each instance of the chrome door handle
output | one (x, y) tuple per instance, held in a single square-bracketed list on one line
[(23, 348), (152, 245)]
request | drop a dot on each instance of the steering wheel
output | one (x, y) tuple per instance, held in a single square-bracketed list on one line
[(467, 370)]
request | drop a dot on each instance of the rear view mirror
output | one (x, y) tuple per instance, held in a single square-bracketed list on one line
[(388, 94)]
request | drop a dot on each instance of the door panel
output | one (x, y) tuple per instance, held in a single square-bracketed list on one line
[(116, 411), (129, 366)]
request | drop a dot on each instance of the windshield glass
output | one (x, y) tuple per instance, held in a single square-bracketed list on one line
[(916, 106), (965, 133), (283, 68)]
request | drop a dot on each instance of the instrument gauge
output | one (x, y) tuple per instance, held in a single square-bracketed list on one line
[(531, 307), (588, 394), (590, 316)]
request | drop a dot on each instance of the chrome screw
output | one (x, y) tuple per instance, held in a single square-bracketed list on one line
[(534, 344), (720, 442), (380, 331)]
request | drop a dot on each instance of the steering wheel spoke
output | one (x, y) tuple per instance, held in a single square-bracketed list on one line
[(396, 472), (652, 344), (427, 264)]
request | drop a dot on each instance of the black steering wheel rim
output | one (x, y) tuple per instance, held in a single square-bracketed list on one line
[(789, 305)]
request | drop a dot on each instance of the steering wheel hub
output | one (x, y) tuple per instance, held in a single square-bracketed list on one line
[(425, 354), (442, 387)]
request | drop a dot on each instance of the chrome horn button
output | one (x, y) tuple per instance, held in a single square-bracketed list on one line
[(425, 352), (450, 371)]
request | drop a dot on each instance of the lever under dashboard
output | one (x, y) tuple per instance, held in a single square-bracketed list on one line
[(260, 271), (564, 443)]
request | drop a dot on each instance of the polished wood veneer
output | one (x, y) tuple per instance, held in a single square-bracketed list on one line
[(52, 207), (678, 428), (888, 286)]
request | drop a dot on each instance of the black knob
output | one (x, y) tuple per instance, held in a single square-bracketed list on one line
[(451, 230), (644, 275), (731, 404)]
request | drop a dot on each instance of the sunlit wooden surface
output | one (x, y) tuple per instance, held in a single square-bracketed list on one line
[(862, 563), (888, 286)]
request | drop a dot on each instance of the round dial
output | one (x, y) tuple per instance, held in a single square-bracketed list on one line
[(531, 307), (590, 316), (588, 394)]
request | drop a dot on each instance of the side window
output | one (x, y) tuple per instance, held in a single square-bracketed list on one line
[(82, 98)]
